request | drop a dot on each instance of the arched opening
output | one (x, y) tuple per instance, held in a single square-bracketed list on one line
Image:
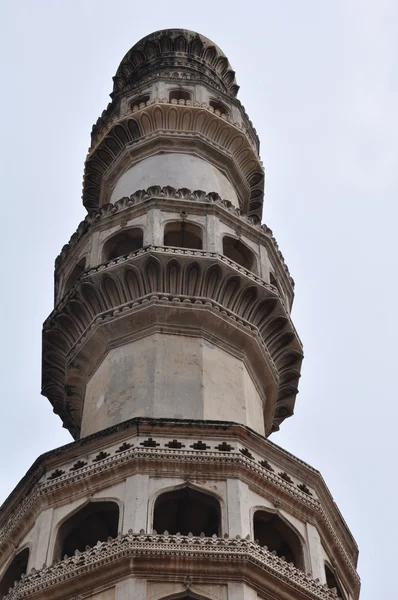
[(187, 510), (271, 531), (14, 572), (96, 521), (179, 95), (239, 253), (136, 103), (75, 274), (332, 583), (122, 243), (183, 235), (223, 110)]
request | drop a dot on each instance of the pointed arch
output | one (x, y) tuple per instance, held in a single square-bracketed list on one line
[(93, 521), (187, 510), (192, 279), (245, 302), (183, 234), (228, 291), (173, 277), (152, 275), (263, 311), (212, 281), (133, 283), (69, 327), (332, 581), (111, 292), (80, 312), (274, 532), (236, 250), (92, 297), (17, 567), (122, 243)]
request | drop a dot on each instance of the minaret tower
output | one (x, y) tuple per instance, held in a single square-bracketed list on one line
[(170, 356)]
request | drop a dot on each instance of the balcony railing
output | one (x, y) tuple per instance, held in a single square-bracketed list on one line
[(154, 546)]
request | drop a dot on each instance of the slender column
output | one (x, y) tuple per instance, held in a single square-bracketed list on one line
[(136, 503), (238, 518), (315, 553), (41, 540)]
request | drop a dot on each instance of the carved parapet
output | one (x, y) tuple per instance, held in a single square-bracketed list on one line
[(161, 447), (110, 116), (184, 128), (216, 557), (175, 48), (212, 292), (183, 195)]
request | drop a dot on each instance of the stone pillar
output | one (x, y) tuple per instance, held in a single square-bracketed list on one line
[(238, 515), (39, 553), (315, 553), (136, 503)]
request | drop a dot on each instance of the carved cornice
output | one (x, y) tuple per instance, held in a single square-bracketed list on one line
[(168, 192), (167, 119), (175, 48), (172, 550), (198, 280), (232, 451), (111, 116)]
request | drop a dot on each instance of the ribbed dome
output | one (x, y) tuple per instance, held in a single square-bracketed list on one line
[(175, 50)]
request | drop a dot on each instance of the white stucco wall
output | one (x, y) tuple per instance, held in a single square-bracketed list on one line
[(176, 170)]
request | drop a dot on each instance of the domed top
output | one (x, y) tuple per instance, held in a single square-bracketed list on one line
[(175, 50)]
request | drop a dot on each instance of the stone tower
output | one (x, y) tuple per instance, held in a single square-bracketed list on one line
[(171, 356)]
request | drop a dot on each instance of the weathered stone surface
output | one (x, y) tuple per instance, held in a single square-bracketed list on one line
[(170, 355)]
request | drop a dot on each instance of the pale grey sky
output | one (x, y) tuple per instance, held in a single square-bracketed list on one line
[(319, 79)]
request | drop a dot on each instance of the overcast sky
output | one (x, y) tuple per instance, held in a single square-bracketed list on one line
[(319, 80)]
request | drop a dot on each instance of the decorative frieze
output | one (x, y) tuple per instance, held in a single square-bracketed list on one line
[(214, 135), (169, 193), (210, 556), (227, 458), (197, 280)]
